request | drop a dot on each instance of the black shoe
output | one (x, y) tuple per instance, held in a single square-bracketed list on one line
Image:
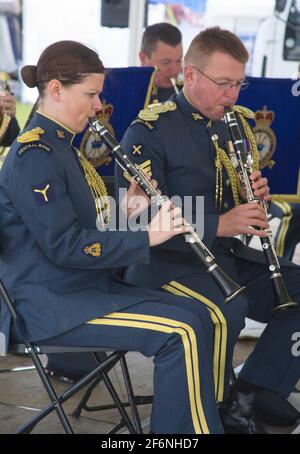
[(237, 414)]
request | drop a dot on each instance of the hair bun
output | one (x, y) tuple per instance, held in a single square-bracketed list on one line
[(29, 75)]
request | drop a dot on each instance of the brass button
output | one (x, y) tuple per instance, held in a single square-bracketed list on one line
[(226, 205), (227, 182)]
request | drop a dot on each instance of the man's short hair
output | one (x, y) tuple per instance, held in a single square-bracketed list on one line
[(212, 40), (167, 33)]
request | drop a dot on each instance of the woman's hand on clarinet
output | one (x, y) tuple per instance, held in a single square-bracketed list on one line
[(135, 201), (242, 219), (167, 223)]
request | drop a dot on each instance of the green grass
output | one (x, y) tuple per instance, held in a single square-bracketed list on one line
[(23, 111)]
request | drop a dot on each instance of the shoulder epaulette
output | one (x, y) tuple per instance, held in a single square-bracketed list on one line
[(138, 121), (32, 140), (248, 113), (154, 110), (31, 136)]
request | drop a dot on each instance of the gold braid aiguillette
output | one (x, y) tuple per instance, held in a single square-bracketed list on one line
[(98, 189)]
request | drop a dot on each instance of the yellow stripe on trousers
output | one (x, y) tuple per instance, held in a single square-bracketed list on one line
[(189, 342), (220, 340), (283, 228)]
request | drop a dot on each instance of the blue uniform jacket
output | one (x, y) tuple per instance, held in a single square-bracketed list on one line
[(177, 150), (53, 259)]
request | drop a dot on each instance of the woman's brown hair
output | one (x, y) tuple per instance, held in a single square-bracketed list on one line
[(67, 61)]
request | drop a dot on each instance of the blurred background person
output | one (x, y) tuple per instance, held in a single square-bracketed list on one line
[(9, 127), (162, 47)]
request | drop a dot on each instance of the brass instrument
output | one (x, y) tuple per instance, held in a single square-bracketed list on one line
[(229, 288), (242, 161)]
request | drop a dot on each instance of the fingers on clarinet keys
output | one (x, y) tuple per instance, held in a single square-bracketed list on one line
[(166, 224)]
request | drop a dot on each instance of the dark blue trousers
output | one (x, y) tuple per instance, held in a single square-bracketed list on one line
[(178, 332)]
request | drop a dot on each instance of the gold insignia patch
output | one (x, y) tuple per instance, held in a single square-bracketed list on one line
[(144, 166), (137, 149), (60, 134), (94, 250), (43, 192), (196, 116), (248, 113), (31, 136), (154, 110)]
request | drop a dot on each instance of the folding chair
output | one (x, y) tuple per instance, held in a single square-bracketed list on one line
[(137, 400), (99, 373)]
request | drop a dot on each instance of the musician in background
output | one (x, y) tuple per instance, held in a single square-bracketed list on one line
[(183, 144), (9, 127), (55, 261), (162, 47)]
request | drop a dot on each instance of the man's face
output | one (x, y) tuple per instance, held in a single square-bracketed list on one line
[(205, 94), (168, 60)]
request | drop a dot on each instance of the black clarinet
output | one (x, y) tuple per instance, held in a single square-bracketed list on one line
[(229, 288), (242, 161)]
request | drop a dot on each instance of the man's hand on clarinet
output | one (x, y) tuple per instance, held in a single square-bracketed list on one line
[(242, 219)]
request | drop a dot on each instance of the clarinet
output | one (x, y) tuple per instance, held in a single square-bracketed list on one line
[(242, 161), (229, 288)]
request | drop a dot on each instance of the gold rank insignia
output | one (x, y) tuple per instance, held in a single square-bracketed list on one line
[(144, 166), (137, 149), (248, 113), (196, 116), (154, 110), (43, 192), (94, 250), (60, 134), (31, 136)]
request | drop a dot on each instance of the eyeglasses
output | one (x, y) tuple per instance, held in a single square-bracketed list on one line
[(225, 85)]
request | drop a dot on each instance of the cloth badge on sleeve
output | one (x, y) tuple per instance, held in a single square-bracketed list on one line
[(137, 149), (93, 249), (44, 194)]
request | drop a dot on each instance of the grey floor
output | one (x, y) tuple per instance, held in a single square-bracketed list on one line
[(22, 395)]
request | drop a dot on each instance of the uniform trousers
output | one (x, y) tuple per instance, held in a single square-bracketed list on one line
[(272, 364), (178, 332)]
